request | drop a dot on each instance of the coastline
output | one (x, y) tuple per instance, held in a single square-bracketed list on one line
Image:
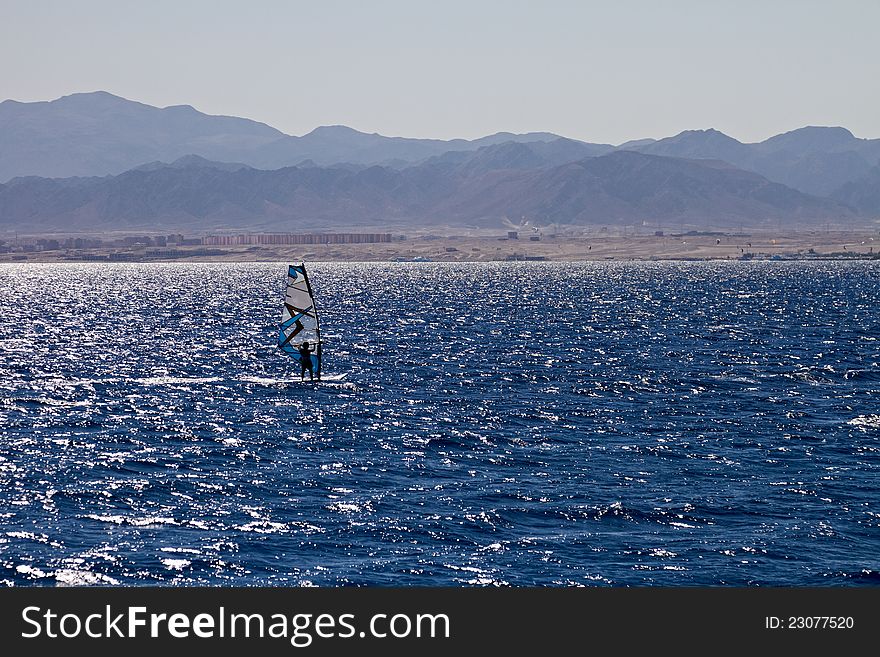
[(814, 245)]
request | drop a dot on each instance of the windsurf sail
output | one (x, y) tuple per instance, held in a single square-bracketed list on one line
[(299, 320)]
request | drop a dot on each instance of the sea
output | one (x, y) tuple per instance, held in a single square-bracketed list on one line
[(522, 424)]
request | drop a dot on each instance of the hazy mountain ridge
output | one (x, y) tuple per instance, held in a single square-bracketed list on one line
[(632, 188), (863, 195), (99, 134), (814, 160), (229, 171), (486, 188)]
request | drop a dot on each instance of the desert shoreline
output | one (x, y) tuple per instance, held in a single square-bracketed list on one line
[(838, 245)]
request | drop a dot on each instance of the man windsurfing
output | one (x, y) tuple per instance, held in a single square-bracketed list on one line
[(305, 361)]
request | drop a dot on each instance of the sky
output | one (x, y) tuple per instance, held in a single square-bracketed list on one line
[(603, 72)]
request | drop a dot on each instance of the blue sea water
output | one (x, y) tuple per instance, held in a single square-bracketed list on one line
[(524, 424)]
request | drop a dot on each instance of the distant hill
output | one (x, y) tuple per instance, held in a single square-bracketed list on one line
[(335, 144), (862, 194), (193, 161), (817, 139), (516, 155), (99, 133), (703, 144), (486, 188), (96, 160), (814, 160), (633, 188), (96, 134)]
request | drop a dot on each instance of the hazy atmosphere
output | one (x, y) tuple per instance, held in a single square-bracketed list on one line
[(598, 72)]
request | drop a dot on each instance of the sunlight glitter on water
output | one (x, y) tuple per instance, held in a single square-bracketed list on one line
[(501, 423)]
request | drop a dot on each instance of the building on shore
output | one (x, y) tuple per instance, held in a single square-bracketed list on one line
[(293, 239)]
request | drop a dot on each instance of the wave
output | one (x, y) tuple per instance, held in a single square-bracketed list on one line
[(175, 380), (67, 576), (147, 521), (866, 421), (872, 374), (865, 576)]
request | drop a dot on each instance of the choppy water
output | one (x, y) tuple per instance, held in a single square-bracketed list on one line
[(509, 423)]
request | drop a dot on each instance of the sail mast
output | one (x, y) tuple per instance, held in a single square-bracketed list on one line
[(318, 348)]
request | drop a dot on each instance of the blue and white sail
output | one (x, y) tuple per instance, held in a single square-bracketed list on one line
[(299, 320)]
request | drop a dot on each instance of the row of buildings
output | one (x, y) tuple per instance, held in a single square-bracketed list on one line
[(33, 244), (293, 238)]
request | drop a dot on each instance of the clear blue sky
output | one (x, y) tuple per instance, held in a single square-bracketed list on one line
[(597, 71)]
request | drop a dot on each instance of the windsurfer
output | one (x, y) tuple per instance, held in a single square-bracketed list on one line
[(305, 361)]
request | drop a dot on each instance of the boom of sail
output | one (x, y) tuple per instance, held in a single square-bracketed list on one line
[(299, 320)]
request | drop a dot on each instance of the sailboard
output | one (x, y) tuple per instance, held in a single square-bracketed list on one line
[(299, 319)]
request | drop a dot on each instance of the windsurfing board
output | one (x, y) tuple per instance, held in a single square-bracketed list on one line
[(325, 378), (294, 378)]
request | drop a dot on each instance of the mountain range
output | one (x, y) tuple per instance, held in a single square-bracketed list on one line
[(94, 161), (96, 134)]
